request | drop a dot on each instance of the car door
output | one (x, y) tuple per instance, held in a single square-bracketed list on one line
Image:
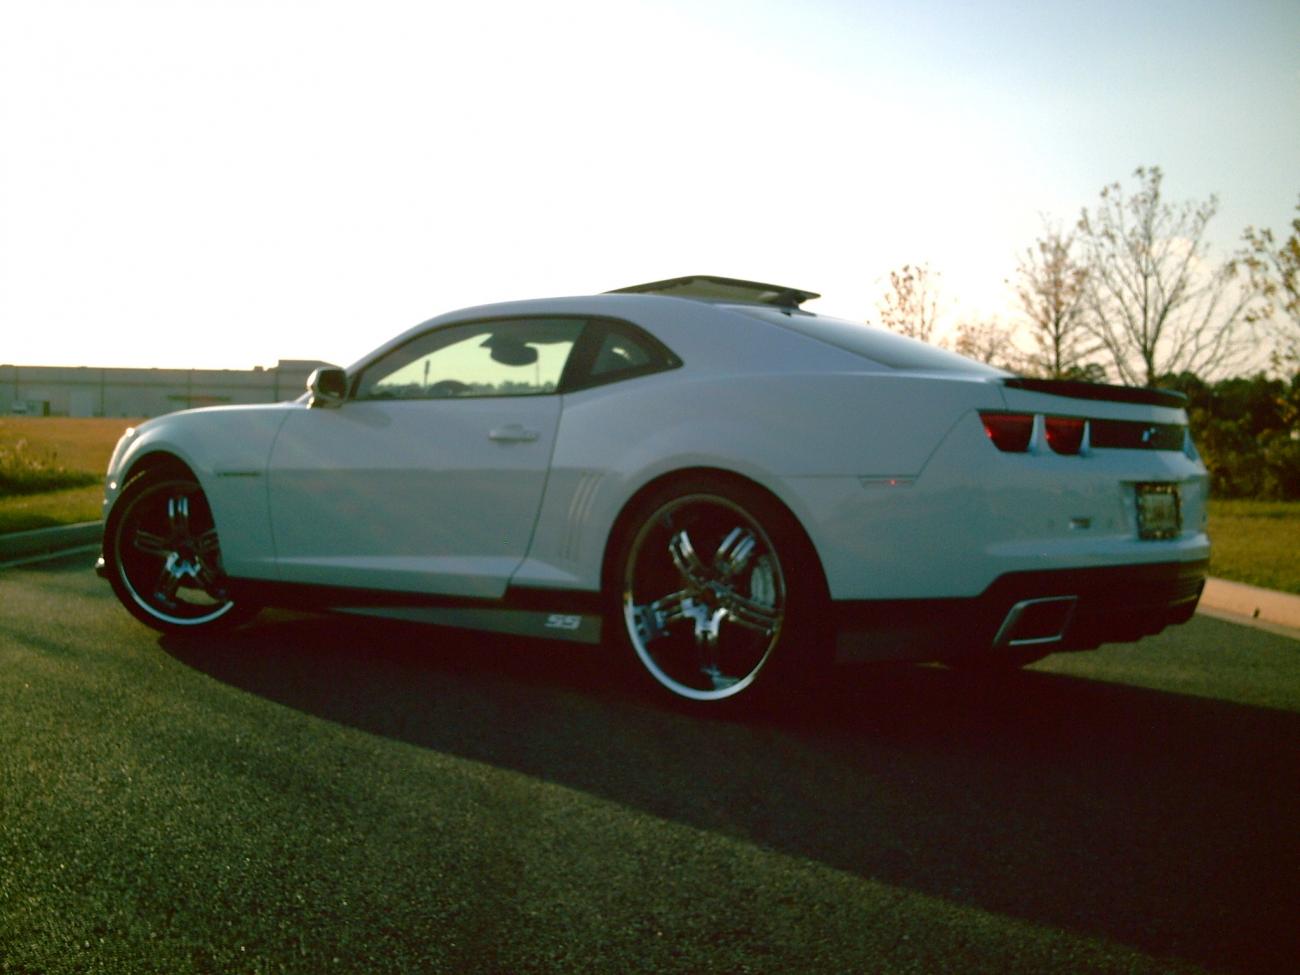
[(428, 478)]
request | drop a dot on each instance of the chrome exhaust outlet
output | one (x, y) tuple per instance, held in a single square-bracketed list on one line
[(1031, 622)]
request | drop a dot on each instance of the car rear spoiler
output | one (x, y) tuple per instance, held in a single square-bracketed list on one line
[(710, 287), (1076, 389)]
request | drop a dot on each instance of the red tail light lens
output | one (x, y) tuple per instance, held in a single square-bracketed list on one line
[(1065, 433), (1009, 431)]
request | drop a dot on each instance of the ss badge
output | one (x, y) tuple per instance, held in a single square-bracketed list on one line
[(560, 621)]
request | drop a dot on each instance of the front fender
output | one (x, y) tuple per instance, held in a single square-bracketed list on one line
[(227, 449)]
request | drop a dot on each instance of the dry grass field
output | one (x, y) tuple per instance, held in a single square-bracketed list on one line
[(81, 444), (76, 444)]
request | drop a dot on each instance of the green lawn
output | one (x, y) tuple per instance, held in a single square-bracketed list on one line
[(319, 795), (1256, 542), (70, 506)]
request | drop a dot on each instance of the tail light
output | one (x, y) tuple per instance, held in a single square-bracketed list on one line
[(1014, 432), (1065, 433), (1010, 432)]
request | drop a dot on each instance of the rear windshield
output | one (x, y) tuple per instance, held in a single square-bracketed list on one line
[(886, 348)]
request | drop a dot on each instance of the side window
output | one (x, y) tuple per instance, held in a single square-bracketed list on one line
[(622, 351), (514, 357), (618, 353)]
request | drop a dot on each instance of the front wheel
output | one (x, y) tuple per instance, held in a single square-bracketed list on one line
[(719, 592), (163, 558)]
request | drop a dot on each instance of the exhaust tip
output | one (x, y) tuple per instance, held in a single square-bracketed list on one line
[(1031, 622)]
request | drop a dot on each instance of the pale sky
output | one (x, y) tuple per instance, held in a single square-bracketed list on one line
[(225, 184)]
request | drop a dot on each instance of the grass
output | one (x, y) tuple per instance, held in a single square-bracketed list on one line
[(79, 444), (331, 795), (71, 506), (25, 471), (1255, 542)]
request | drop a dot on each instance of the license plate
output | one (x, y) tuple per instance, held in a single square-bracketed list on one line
[(1158, 510)]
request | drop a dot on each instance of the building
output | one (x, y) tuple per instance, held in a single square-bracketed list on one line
[(94, 391)]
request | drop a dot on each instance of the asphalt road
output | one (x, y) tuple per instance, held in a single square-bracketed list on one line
[(1134, 809)]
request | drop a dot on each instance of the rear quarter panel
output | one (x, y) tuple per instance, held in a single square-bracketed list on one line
[(787, 432)]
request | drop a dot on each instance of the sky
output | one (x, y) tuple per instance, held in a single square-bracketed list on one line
[(226, 184)]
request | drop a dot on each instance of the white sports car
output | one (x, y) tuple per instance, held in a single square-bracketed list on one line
[(693, 472)]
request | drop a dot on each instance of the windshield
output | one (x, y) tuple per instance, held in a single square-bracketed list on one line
[(889, 349)]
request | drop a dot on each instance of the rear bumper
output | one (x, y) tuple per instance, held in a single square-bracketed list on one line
[(1077, 609)]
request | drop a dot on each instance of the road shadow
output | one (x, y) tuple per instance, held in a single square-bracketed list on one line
[(1165, 822)]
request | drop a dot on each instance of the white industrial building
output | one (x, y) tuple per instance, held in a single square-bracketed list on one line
[(95, 391)]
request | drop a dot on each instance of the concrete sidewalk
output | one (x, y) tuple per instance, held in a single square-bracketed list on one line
[(1240, 602), (1231, 600)]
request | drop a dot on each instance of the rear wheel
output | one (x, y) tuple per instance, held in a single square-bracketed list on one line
[(163, 558), (720, 594)]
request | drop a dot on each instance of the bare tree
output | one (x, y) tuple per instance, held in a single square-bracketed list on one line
[(1153, 300), (1050, 284), (1274, 270), (911, 306), (988, 340)]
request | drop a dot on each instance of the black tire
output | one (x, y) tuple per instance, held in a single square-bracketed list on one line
[(163, 559), (717, 594)]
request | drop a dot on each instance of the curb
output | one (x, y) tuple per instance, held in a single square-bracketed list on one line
[(49, 541), (1236, 599)]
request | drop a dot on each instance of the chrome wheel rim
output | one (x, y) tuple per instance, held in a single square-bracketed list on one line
[(704, 597), (168, 557)]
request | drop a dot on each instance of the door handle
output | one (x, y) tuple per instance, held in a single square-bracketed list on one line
[(513, 433)]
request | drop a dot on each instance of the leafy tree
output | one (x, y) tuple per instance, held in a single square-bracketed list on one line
[(1152, 298), (1244, 428), (911, 305), (1050, 284), (1274, 270)]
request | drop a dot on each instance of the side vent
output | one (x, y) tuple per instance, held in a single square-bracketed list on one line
[(584, 496)]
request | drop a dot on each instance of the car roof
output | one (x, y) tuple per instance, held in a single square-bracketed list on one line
[(673, 319), (736, 300)]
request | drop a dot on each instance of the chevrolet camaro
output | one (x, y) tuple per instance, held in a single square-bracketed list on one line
[(698, 475)]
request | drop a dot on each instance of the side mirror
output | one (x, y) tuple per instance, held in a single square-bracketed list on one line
[(327, 386)]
